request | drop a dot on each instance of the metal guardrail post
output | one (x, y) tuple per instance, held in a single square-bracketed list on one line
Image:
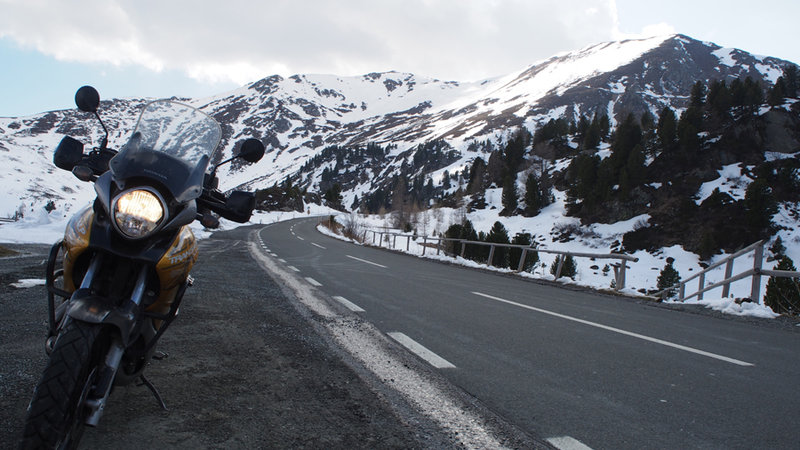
[(408, 242), (758, 261), (682, 292), (424, 244), (622, 272), (491, 255), (463, 248)]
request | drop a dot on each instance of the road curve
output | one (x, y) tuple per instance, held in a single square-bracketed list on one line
[(576, 367)]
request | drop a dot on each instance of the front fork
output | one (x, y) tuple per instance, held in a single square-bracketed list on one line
[(122, 318)]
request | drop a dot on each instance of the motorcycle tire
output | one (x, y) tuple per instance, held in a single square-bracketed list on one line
[(56, 413)]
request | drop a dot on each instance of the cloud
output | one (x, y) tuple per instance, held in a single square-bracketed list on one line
[(240, 40)]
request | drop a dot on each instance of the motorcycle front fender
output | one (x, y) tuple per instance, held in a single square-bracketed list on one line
[(93, 309)]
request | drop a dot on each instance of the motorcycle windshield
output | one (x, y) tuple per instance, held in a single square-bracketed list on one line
[(172, 144)]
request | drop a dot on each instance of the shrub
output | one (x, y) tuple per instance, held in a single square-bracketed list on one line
[(668, 278), (783, 293), (515, 254), (569, 269)]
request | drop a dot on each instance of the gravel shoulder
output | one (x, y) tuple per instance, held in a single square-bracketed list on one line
[(246, 368)]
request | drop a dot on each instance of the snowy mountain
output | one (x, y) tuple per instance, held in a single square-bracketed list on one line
[(319, 128)]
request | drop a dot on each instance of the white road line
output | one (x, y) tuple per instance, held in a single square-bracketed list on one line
[(313, 282), (417, 348), (617, 330), (350, 305), (567, 443), (298, 237), (282, 260), (365, 261), (317, 245), (293, 268)]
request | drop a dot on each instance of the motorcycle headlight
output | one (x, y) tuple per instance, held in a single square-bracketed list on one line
[(138, 212)]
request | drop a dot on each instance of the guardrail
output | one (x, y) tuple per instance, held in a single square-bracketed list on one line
[(619, 268), (755, 272), (7, 219)]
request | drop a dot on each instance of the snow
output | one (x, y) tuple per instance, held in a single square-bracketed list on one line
[(725, 56), (28, 282), (731, 181)]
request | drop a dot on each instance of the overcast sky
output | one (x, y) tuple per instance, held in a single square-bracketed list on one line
[(160, 48)]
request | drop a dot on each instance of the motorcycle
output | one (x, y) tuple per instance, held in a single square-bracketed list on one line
[(116, 281)]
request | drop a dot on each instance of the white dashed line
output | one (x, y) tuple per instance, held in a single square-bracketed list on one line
[(419, 350), (350, 305), (313, 282), (365, 261), (317, 245), (567, 443), (293, 268), (617, 330)]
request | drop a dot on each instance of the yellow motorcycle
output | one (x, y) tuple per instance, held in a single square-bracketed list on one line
[(116, 280)]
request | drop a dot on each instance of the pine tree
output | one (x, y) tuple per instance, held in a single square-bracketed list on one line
[(510, 201), (477, 176), (698, 94), (499, 235), (668, 278), (777, 94), (783, 293), (791, 81), (667, 130), (515, 254), (760, 206), (533, 196), (777, 249), (569, 269)]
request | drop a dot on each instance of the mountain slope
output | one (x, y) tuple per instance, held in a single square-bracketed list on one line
[(430, 131)]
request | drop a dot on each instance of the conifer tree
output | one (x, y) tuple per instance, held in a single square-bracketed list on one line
[(783, 293), (791, 81), (533, 196), (777, 94), (667, 129), (515, 254), (499, 235), (509, 195), (569, 269), (668, 278), (760, 206)]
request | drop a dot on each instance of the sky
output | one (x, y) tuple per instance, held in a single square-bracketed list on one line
[(199, 48)]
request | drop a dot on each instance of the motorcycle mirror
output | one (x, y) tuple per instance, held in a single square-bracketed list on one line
[(88, 99), (68, 153), (251, 150)]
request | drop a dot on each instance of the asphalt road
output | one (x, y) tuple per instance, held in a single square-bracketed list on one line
[(569, 365), (247, 367)]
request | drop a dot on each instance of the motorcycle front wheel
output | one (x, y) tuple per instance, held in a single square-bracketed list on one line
[(57, 411)]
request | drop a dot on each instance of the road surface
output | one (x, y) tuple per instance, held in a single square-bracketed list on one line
[(572, 366)]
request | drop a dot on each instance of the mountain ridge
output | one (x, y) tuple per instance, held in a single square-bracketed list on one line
[(436, 127)]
